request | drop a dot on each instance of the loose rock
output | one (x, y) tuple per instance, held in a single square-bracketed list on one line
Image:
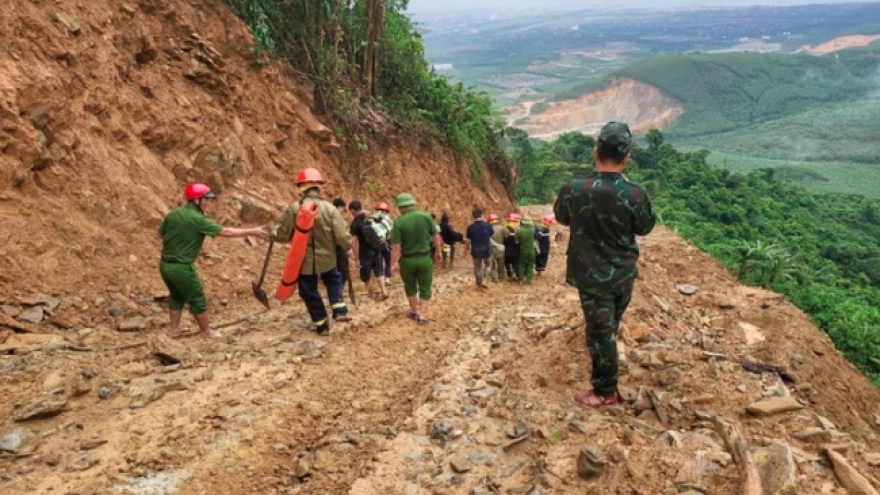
[(133, 324), (33, 314), (777, 469), (591, 463), (41, 408), (687, 289), (460, 463), (167, 350), (19, 441), (775, 405), (852, 480)]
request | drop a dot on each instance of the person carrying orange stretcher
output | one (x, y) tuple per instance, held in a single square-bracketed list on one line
[(329, 231)]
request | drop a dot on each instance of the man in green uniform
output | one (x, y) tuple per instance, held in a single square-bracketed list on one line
[(414, 230), (328, 233), (500, 234), (605, 211), (183, 231), (525, 239)]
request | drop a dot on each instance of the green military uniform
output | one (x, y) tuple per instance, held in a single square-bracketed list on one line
[(605, 211), (320, 261), (413, 230), (183, 231), (501, 233), (525, 238)]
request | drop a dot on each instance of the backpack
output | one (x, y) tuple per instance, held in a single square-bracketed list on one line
[(377, 229)]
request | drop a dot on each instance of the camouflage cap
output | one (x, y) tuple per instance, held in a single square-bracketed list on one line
[(617, 134)]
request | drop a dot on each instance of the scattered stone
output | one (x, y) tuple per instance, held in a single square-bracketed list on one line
[(727, 305), (132, 324), (777, 469), (109, 389), (69, 21), (307, 349), (442, 428), (775, 405), (873, 459), (816, 435), (33, 314), (81, 463), (669, 376), (577, 426), (41, 408), (92, 444), (19, 441), (460, 463), (618, 453), (741, 388), (167, 350), (691, 474), (852, 480), (301, 469), (687, 289), (591, 463)]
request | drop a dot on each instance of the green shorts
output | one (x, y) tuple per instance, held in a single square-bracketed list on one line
[(184, 287), (418, 275)]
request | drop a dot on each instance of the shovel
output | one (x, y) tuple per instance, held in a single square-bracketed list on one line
[(259, 293)]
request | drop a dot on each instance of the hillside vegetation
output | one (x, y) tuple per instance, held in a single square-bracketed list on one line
[(821, 250)]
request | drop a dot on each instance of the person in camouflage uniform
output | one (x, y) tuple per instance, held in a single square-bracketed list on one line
[(605, 211)]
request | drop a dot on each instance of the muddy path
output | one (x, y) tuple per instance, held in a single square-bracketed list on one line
[(476, 402)]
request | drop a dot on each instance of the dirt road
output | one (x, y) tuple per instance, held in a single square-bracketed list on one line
[(476, 402)]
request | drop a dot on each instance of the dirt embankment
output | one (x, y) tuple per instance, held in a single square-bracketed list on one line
[(108, 108), (641, 105), (842, 42)]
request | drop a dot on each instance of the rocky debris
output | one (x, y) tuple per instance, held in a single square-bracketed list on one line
[(687, 289), (81, 462), (774, 405), (41, 408), (7, 322), (777, 469), (92, 444), (816, 434), (156, 393), (167, 350), (69, 21), (442, 428), (460, 463), (108, 389), (308, 349), (669, 377), (132, 324), (33, 314), (590, 463), (690, 476), (19, 441), (852, 480), (872, 458)]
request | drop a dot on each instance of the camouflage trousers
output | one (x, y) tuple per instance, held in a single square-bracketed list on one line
[(602, 312)]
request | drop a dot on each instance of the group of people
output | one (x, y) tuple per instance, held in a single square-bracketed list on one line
[(511, 251), (605, 213)]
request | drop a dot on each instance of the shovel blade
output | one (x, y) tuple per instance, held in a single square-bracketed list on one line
[(260, 294)]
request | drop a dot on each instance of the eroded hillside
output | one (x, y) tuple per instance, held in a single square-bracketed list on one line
[(108, 108), (641, 105)]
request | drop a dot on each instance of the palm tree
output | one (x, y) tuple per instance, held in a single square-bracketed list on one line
[(779, 264)]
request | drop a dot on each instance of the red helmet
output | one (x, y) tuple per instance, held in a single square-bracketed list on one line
[(196, 190), (491, 217), (381, 205), (309, 176), (513, 217), (548, 220)]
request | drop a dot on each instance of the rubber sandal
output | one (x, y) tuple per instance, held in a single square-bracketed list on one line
[(412, 315), (592, 399), (422, 321)]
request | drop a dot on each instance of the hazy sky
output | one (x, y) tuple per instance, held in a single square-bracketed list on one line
[(440, 5)]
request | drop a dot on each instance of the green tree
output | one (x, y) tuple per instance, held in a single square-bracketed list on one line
[(654, 138)]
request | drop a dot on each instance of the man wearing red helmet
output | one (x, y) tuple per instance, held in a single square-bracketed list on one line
[(500, 234), (183, 231), (320, 261)]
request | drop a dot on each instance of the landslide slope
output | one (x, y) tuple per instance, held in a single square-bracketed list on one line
[(108, 108), (641, 105)]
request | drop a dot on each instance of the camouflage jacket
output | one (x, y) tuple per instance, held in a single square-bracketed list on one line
[(605, 211)]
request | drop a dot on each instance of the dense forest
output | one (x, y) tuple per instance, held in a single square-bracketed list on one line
[(821, 250), (368, 65)]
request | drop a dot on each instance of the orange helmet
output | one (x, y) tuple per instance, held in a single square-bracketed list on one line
[(309, 176), (491, 217), (383, 206), (548, 220)]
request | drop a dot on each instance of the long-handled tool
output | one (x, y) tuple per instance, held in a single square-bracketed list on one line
[(259, 293), (350, 286)]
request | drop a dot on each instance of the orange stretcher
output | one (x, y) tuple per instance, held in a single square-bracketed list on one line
[(305, 223)]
